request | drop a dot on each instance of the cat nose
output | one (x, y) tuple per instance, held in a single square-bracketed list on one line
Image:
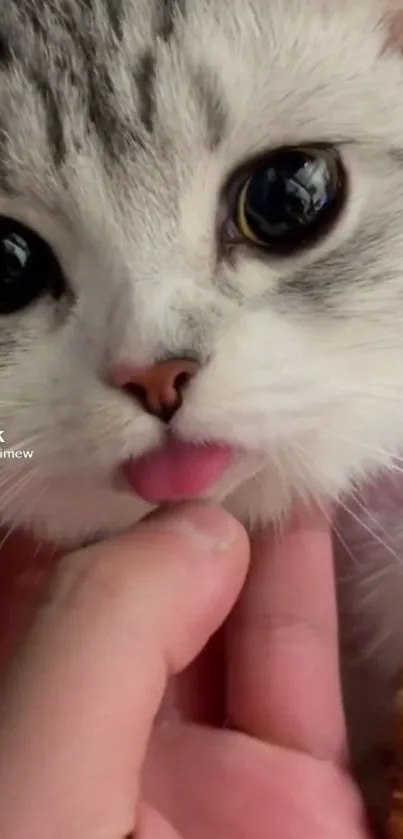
[(160, 387)]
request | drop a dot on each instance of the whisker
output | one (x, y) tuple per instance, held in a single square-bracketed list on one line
[(355, 495), (368, 446), (388, 548), (22, 483), (10, 530), (378, 539)]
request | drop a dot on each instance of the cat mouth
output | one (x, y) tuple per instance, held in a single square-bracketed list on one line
[(177, 470)]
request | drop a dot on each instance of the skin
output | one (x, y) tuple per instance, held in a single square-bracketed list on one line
[(100, 737)]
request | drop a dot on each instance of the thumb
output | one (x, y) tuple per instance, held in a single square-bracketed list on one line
[(77, 708)]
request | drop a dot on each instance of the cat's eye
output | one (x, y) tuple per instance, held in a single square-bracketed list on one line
[(28, 267), (290, 199)]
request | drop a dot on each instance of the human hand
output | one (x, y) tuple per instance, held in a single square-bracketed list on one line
[(77, 706), (282, 771)]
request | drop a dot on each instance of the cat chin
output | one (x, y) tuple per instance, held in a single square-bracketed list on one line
[(70, 517), (70, 513), (258, 488)]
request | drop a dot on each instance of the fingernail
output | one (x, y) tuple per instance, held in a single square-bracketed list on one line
[(209, 528)]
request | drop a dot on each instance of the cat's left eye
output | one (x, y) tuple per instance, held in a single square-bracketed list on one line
[(290, 199), (28, 267)]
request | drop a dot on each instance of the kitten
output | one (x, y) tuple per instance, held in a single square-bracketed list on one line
[(216, 186)]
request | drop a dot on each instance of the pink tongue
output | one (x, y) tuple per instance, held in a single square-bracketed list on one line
[(176, 471)]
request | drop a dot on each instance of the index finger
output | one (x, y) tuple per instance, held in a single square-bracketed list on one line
[(77, 708), (283, 679)]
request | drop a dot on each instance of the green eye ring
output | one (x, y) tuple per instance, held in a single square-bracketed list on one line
[(241, 220), (291, 198)]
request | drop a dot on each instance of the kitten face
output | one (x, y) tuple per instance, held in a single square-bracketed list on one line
[(121, 127)]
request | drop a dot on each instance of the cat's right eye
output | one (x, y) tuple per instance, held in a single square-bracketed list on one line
[(28, 267), (291, 199)]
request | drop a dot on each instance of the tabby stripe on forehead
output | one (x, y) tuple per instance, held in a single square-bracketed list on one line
[(169, 10), (145, 78), (116, 135), (54, 122), (5, 52), (34, 13), (115, 13), (146, 68)]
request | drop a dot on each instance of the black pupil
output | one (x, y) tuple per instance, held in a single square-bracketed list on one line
[(28, 267), (292, 194)]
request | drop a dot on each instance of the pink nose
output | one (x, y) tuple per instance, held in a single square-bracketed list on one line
[(159, 388)]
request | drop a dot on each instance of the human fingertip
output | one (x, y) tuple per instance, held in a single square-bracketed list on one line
[(209, 528)]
